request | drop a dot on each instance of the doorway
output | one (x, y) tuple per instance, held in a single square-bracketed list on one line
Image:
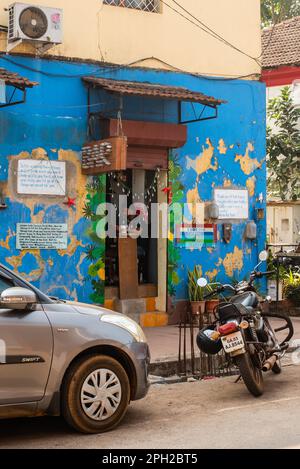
[(131, 262)]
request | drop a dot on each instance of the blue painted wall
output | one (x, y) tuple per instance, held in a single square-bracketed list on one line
[(54, 118)]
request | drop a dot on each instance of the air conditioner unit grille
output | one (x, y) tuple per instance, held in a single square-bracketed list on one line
[(33, 22), (11, 22)]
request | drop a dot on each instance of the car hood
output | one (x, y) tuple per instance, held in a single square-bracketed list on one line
[(84, 308)]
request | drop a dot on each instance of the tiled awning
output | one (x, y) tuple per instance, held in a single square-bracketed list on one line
[(150, 90), (14, 79)]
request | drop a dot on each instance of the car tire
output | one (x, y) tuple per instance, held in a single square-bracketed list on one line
[(82, 406)]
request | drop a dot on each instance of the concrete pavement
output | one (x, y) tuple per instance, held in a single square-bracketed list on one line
[(207, 414)]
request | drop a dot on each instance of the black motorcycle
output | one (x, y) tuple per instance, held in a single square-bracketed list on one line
[(243, 330)]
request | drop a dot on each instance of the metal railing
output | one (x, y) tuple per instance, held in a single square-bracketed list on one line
[(152, 6), (192, 362)]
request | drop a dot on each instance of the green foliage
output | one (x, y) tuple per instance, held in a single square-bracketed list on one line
[(291, 286), (210, 288), (283, 148), (271, 265), (173, 259), (196, 293), (95, 252), (174, 255), (276, 11), (94, 268)]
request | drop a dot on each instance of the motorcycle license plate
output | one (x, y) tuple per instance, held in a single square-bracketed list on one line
[(233, 342)]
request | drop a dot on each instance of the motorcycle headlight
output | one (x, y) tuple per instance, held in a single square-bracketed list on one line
[(127, 324)]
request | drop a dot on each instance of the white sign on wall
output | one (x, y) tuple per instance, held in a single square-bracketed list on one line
[(42, 236), (233, 203), (42, 177)]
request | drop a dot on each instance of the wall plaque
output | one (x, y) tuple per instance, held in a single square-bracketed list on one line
[(233, 203), (41, 177), (42, 236)]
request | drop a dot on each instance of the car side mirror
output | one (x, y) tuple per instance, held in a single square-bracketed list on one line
[(17, 298)]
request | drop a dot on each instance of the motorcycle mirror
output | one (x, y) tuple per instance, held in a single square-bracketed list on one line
[(263, 256), (202, 282)]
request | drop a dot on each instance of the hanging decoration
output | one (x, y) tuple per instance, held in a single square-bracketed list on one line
[(118, 180)]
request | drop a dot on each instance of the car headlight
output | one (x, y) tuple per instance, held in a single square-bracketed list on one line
[(127, 324)]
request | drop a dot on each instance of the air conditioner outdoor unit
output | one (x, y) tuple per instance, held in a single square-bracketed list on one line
[(35, 24)]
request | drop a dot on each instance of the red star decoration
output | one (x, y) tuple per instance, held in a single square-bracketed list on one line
[(168, 191), (70, 202)]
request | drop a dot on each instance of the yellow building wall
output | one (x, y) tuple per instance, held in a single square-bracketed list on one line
[(119, 35)]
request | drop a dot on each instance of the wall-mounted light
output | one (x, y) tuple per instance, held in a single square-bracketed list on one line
[(251, 230)]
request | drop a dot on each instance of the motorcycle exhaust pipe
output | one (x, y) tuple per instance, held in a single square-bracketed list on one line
[(268, 365)]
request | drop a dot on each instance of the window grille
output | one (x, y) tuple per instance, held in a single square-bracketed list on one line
[(146, 5)]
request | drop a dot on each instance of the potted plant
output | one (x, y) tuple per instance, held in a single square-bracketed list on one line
[(213, 300), (196, 293), (291, 287)]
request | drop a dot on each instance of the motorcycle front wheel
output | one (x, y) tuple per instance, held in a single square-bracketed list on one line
[(252, 376)]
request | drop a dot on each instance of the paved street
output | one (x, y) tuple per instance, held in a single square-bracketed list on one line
[(209, 414)]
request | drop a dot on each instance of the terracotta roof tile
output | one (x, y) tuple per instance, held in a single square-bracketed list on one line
[(131, 88), (281, 44), (14, 79)]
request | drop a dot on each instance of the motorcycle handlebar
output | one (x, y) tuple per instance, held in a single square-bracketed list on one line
[(261, 274), (228, 286), (219, 290)]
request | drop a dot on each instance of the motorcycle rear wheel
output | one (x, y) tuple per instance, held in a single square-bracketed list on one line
[(252, 376)]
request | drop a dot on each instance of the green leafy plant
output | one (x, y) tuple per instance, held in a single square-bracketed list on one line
[(291, 286), (210, 288), (196, 293), (283, 147), (95, 251), (271, 266), (276, 11), (174, 254)]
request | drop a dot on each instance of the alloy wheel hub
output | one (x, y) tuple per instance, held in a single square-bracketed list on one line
[(101, 394)]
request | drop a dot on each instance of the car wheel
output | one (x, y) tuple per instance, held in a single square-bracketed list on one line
[(96, 394)]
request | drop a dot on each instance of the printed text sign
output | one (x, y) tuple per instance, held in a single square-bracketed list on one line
[(42, 177), (233, 203), (42, 236)]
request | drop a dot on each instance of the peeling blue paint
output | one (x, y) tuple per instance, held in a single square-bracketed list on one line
[(55, 117)]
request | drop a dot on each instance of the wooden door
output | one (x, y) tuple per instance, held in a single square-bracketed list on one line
[(128, 268)]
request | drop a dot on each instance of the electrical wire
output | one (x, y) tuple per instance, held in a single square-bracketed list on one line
[(214, 33), (112, 68), (206, 28)]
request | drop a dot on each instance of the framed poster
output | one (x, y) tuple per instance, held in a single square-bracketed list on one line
[(233, 203), (41, 177)]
